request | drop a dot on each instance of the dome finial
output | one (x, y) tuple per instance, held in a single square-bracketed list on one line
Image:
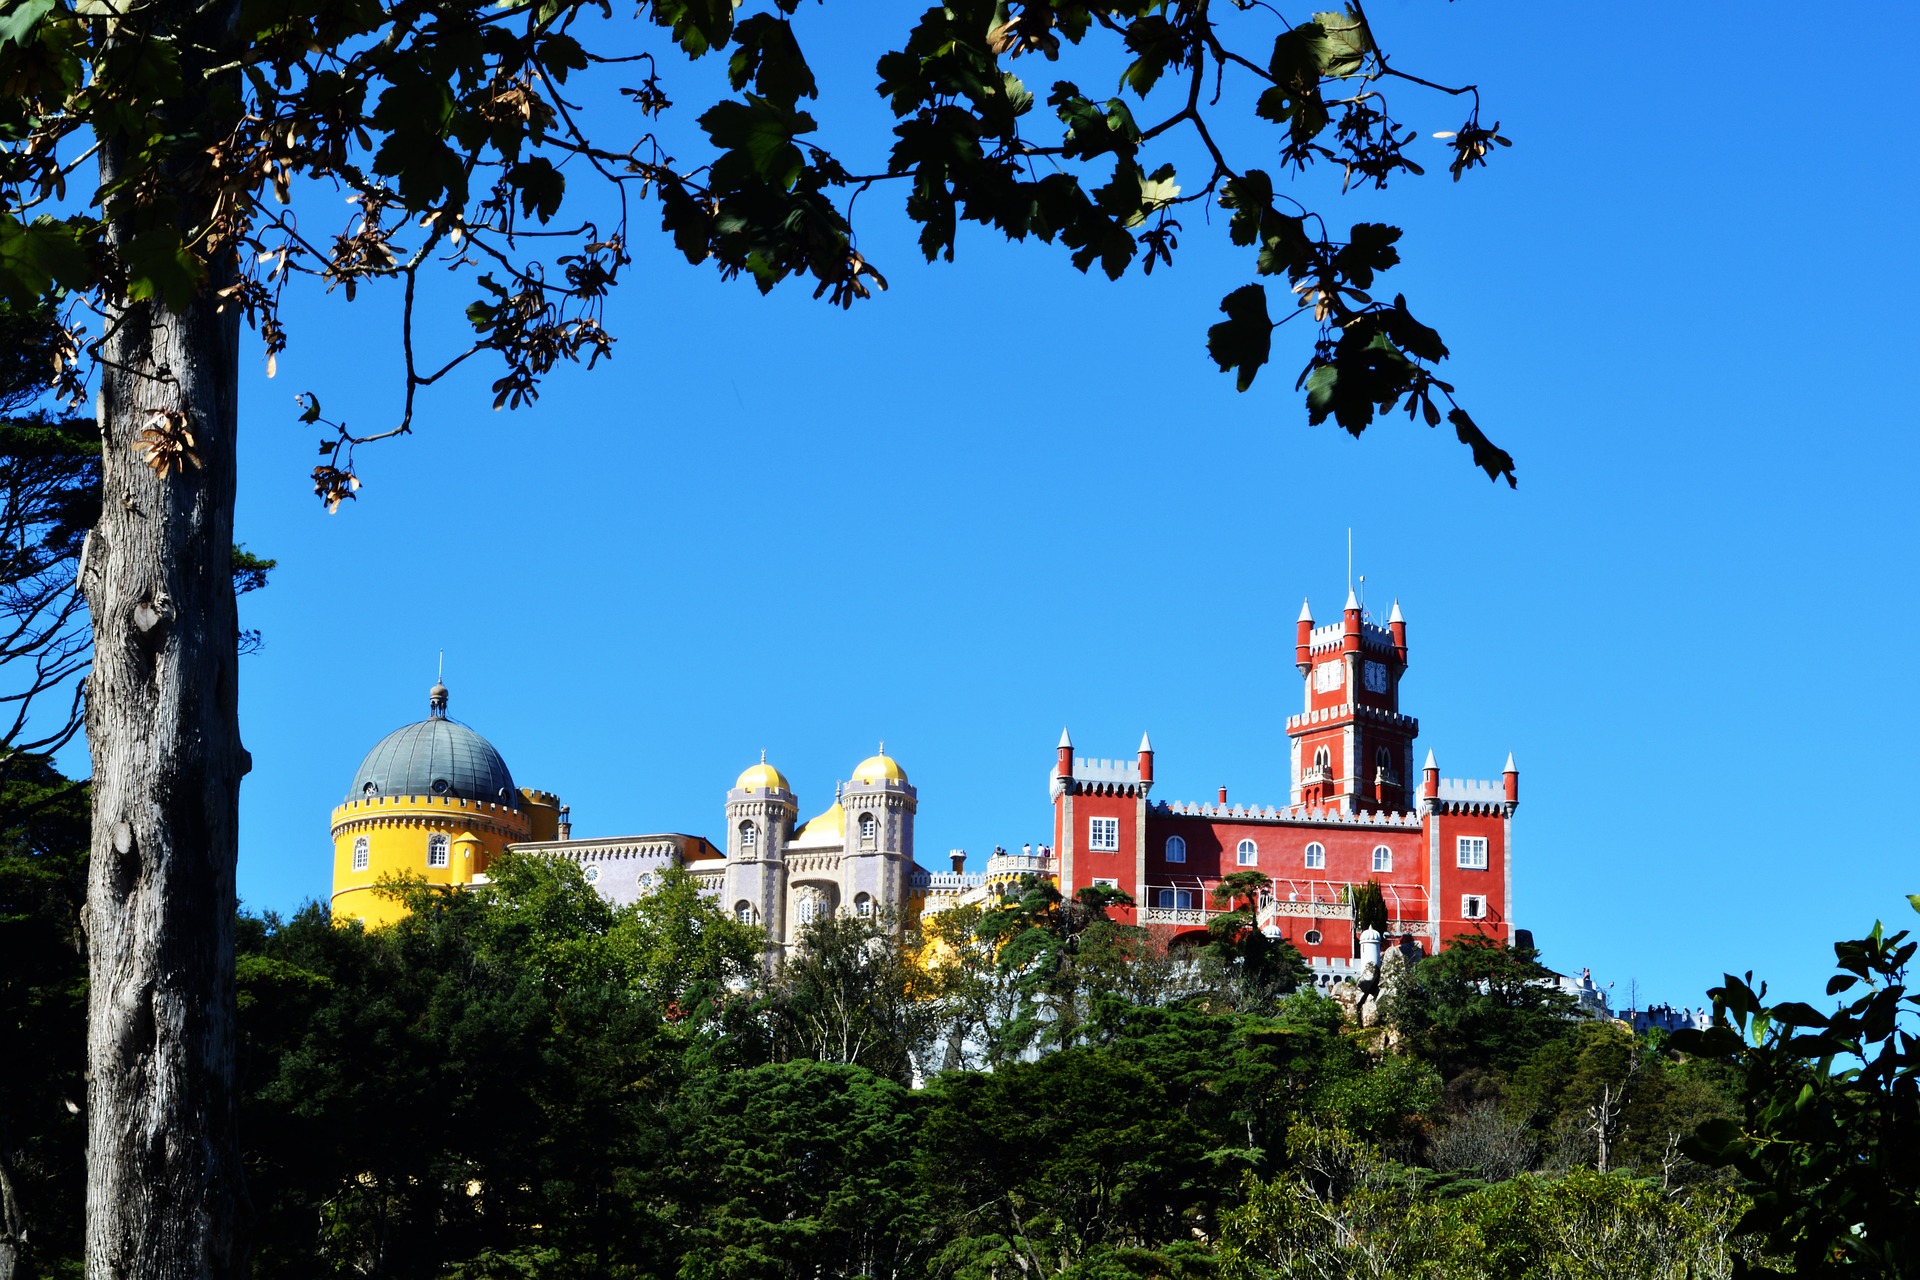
[(763, 755), (437, 702)]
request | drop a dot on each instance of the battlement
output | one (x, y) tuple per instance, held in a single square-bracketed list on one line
[(1118, 772), (1359, 711), (1472, 791), (369, 806), (1333, 636), (1325, 815)]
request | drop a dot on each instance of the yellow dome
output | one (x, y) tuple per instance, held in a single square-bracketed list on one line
[(761, 777), (882, 768)]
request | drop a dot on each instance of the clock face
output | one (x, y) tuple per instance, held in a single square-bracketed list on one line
[(1328, 676), (1375, 677)]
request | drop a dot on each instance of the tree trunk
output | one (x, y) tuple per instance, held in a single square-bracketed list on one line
[(163, 1172)]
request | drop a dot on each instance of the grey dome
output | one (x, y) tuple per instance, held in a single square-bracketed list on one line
[(436, 757)]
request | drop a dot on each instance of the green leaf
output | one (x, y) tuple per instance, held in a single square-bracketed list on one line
[(769, 58), (1344, 43), (36, 256), (757, 136), (1244, 340), (17, 23), (541, 187)]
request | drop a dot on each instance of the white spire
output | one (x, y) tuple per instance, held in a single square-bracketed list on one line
[(1306, 613), (1509, 768), (1353, 601), (1430, 764), (1146, 744), (1065, 741), (1395, 615)]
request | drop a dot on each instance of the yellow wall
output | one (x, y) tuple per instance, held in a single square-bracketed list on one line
[(396, 829), (543, 814)]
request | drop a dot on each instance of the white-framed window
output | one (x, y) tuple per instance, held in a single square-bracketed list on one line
[(1176, 849), (808, 905), (1472, 852), (1473, 906), (1322, 758), (362, 853), (1106, 882), (1382, 858), (1311, 937), (1103, 835), (749, 837), (1316, 856), (869, 830), (439, 850), (1247, 854), (1176, 899), (743, 912), (862, 906)]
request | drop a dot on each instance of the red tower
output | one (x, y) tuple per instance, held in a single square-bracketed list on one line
[(1352, 749)]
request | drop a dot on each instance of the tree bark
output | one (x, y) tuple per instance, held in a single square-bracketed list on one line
[(163, 1170)]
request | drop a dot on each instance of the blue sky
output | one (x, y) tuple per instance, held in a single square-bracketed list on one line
[(1005, 497)]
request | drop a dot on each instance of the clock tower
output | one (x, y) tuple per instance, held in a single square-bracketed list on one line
[(1352, 750)]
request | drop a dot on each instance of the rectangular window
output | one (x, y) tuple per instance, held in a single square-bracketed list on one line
[(1103, 835), (1473, 852), (1473, 907), (1104, 883), (437, 853), (360, 854)]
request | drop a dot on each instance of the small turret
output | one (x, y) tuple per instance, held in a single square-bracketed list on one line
[(1430, 784), (1063, 757), (1146, 763), (1510, 779), (1398, 626), (1350, 624), (959, 857), (1303, 640)]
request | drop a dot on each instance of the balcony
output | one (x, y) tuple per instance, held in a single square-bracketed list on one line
[(1316, 773)]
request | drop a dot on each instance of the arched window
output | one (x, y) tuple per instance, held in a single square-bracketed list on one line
[(362, 853), (807, 906), (1382, 858), (1316, 855), (1322, 758), (1248, 854), (1176, 899), (862, 906), (439, 850), (869, 830), (743, 912), (749, 837), (1176, 849)]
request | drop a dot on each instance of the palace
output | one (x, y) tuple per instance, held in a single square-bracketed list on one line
[(435, 800), (1441, 853)]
